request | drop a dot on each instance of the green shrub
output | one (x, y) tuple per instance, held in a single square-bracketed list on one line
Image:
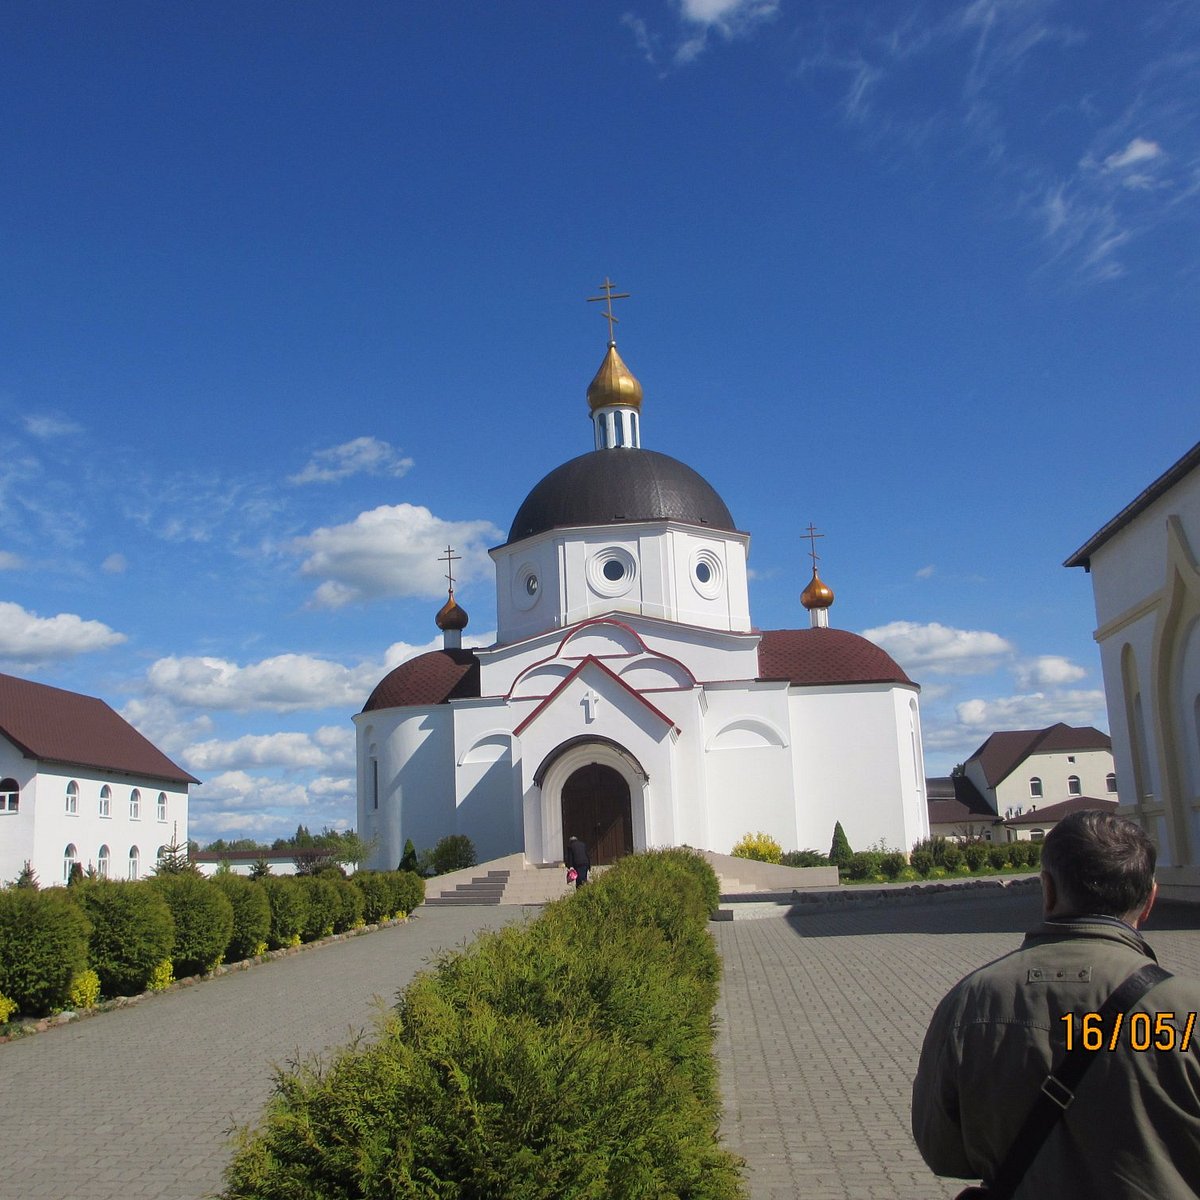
[(524, 1068), (408, 891), (1018, 853), (865, 864), (85, 990), (350, 904), (761, 847), (377, 896), (43, 946), (251, 916), (132, 932), (922, 862), (203, 921), (892, 863), (976, 854), (805, 858), (952, 856), (1034, 854), (322, 903), (839, 851), (161, 977), (288, 908), (408, 860), (997, 856), (453, 853)]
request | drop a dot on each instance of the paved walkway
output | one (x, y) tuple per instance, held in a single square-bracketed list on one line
[(820, 1022)]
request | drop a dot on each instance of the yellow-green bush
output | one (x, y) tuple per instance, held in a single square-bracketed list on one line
[(7, 1008), (761, 847), (85, 990), (569, 1057), (161, 977)]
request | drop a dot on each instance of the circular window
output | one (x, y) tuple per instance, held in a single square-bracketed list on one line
[(707, 573), (526, 586), (611, 572), (531, 584)]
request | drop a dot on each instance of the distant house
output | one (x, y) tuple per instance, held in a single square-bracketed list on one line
[(1017, 771), (242, 862), (1146, 583), (957, 811), (1033, 825), (78, 784)]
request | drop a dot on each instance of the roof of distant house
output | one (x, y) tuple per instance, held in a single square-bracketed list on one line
[(1167, 480), (57, 726), (1055, 812), (955, 800), (1003, 752)]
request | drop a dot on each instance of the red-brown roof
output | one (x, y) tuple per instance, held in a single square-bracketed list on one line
[(58, 726), (433, 678), (1056, 812), (1004, 751), (810, 657), (955, 800)]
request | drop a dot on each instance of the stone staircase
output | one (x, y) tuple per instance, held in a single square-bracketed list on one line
[(512, 883)]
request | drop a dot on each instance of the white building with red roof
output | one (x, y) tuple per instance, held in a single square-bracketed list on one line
[(78, 784), (629, 700)]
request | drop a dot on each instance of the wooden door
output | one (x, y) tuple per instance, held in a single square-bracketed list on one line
[(596, 808)]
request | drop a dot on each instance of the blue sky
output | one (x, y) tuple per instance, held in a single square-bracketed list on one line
[(293, 295)]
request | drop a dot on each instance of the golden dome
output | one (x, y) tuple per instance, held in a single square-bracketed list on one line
[(451, 615), (614, 384), (817, 594)]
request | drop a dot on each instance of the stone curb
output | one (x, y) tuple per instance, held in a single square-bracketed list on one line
[(27, 1028)]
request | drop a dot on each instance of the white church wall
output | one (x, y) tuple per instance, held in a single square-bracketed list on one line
[(488, 779), (17, 828), (529, 590), (707, 581)]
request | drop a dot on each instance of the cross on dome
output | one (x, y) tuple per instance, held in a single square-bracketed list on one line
[(608, 297)]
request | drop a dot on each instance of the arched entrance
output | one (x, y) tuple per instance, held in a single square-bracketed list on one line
[(596, 807)]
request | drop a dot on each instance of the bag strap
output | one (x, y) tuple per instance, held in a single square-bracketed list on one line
[(1058, 1088)]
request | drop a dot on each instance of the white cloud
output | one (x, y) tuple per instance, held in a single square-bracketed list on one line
[(1033, 711), (391, 551), (927, 572), (241, 804), (698, 19), (1048, 670), (160, 721), (1139, 150), (115, 564), (324, 749), (360, 456), (10, 561), (25, 637), (46, 426), (940, 649)]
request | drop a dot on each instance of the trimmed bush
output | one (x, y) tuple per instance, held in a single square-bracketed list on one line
[(976, 854), (43, 946), (85, 990), (839, 851), (408, 891), (997, 856), (865, 864), (322, 903), (161, 977), (1034, 854), (251, 916), (453, 853), (132, 932), (522, 1067), (203, 922), (922, 862), (350, 904), (952, 856), (761, 847), (377, 896), (288, 908), (892, 863), (7, 1008), (805, 858)]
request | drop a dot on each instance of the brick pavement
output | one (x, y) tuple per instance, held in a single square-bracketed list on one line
[(820, 1021)]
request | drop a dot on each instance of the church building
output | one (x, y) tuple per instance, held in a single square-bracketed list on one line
[(629, 700)]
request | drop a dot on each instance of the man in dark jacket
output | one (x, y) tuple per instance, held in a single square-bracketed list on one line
[(1132, 1131), (577, 857)]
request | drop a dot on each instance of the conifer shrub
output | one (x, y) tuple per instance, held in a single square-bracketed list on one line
[(952, 857), (526, 1067), (839, 851), (288, 908), (922, 862), (376, 894), (1033, 854), (761, 847), (865, 864), (408, 891), (976, 854), (805, 858), (322, 903), (203, 921), (132, 932), (408, 860), (997, 856), (891, 864), (350, 903), (43, 946), (251, 916)]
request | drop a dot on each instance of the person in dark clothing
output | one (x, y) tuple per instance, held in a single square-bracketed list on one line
[(577, 857)]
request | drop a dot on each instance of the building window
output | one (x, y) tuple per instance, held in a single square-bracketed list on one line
[(106, 801), (1073, 786), (135, 805), (70, 858), (162, 806), (102, 865), (134, 862), (10, 796), (1070, 758), (1035, 788), (1037, 835), (160, 854), (73, 798), (1110, 781)]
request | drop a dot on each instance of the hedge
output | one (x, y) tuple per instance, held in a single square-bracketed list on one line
[(132, 932), (288, 908), (408, 891), (251, 916), (43, 947), (377, 895), (569, 1057), (203, 922)]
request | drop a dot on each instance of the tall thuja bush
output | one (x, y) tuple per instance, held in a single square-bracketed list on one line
[(203, 921), (376, 894), (132, 933), (840, 853), (288, 910), (251, 916), (43, 947), (571, 1057)]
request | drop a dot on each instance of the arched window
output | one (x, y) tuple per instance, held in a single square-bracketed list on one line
[(135, 805), (1073, 786), (162, 806), (1037, 835), (102, 862), (73, 798), (134, 862), (106, 801), (1035, 788), (160, 854), (1110, 781), (10, 796), (70, 858)]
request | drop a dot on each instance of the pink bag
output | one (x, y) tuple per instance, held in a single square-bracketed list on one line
[(572, 874)]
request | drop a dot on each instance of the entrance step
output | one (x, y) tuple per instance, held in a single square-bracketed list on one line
[(483, 889)]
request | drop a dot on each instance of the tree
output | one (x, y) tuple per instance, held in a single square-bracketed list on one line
[(328, 849), (27, 878), (958, 771), (261, 868), (453, 853), (175, 859), (408, 860), (840, 853)]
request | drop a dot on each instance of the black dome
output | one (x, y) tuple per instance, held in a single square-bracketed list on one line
[(607, 486)]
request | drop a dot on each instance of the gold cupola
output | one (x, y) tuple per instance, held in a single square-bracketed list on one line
[(451, 620), (614, 396), (817, 598), (614, 384)]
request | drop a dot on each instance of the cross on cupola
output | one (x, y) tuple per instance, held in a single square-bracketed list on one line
[(614, 396), (452, 617), (817, 597)]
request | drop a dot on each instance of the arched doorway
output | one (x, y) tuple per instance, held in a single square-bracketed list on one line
[(596, 807)]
